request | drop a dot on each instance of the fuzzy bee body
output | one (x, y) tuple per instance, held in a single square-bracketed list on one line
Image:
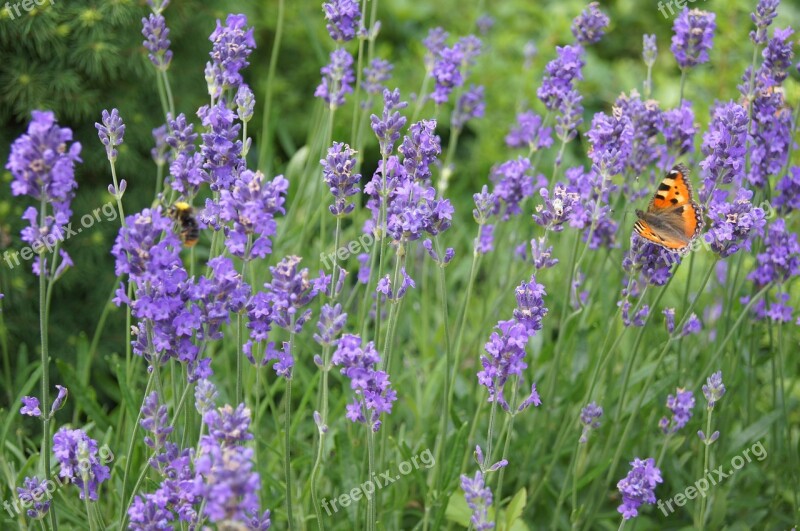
[(183, 213)]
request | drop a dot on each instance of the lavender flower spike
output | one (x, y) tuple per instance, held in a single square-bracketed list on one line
[(638, 487), (111, 132), (693, 37), (590, 26)]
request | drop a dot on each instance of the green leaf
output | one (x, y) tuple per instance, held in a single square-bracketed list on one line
[(515, 507)]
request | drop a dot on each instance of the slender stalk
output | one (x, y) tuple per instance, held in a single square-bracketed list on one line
[(448, 363), (45, 357), (266, 130), (371, 509), (501, 475), (700, 516), (326, 355), (89, 518), (287, 440), (168, 91)]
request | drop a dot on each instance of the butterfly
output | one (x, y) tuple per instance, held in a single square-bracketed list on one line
[(673, 220)]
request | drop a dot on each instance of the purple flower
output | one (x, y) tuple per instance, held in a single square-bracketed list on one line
[(590, 418), (222, 146), (649, 50), (693, 37), (337, 78), (733, 224), (680, 404), (371, 387), (669, 317), (479, 500), (724, 146), (765, 13), (638, 487), (252, 204), (156, 35), (555, 210), (541, 254), (420, 149), (450, 67), (225, 479), (529, 133), (111, 132), (646, 118), (485, 206), (387, 127), (638, 319), (777, 57), (76, 453), (331, 323), (692, 326), (291, 290), (231, 46), (788, 188), (376, 74), (470, 105), (155, 420), (559, 76), (342, 19), (449, 254), (435, 42), (385, 286), (245, 103), (678, 127), (34, 494), (159, 151), (590, 26), (42, 165), (653, 262), (777, 265), (570, 116), (505, 351), (337, 170), (58, 403), (611, 139), (484, 24), (484, 243), (513, 184), (30, 407), (530, 305), (364, 268), (205, 396), (714, 389)]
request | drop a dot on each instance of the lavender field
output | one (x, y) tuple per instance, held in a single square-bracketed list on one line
[(382, 265)]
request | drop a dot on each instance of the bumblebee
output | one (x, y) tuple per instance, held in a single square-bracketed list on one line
[(183, 213)]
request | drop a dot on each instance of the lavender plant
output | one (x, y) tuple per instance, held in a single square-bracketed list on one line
[(502, 375)]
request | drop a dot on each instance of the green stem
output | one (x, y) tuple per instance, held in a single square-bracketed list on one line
[(326, 354), (448, 363), (287, 458), (45, 357), (266, 130), (513, 415), (371, 509), (700, 516)]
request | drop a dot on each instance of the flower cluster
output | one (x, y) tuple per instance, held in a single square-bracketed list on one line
[(680, 404), (232, 44), (693, 37), (42, 165), (374, 395), (343, 18), (337, 78), (337, 170), (513, 184), (505, 350), (529, 133), (451, 65), (251, 205), (156, 35), (638, 487), (76, 453), (777, 265), (387, 128), (590, 418), (733, 224), (479, 500), (590, 26), (611, 138)]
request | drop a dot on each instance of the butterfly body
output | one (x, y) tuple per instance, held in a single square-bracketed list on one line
[(672, 219)]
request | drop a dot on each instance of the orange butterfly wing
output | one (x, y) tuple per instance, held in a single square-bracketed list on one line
[(672, 200)]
